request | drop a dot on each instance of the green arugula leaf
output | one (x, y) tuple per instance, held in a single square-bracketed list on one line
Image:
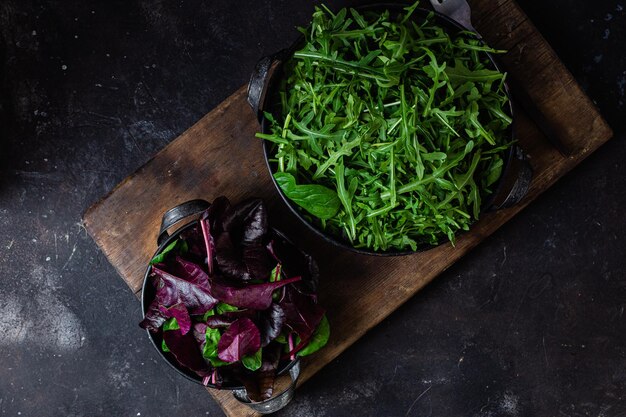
[(459, 73), (320, 201)]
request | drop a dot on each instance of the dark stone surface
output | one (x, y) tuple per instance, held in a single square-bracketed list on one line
[(531, 323)]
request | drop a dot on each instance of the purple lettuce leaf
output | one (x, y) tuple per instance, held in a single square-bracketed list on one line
[(254, 296), (241, 252), (185, 349), (228, 318), (229, 259), (296, 263), (271, 323), (215, 217), (191, 290), (242, 261), (254, 224), (216, 214), (220, 320), (199, 333), (165, 296), (153, 318), (190, 287), (302, 315), (240, 339), (195, 243), (258, 261), (189, 271), (180, 313), (260, 384), (247, 220)]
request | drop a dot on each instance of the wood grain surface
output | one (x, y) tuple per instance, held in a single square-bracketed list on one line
[(220, 156)]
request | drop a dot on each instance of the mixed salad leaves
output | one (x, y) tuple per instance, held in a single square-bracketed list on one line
[(388, 130), (233, 298)]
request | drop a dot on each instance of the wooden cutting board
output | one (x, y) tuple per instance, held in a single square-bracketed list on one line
[(220, 156)]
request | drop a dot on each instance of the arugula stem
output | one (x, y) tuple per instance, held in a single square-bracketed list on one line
[(281, 158)]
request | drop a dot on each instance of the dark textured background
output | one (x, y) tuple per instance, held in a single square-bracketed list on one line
[(531, 323)]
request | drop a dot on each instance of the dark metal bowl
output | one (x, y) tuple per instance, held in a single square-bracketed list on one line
[(510, 188), (148, 293)]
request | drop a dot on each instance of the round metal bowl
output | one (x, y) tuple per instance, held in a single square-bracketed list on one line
[(170, 218), (147, 295), (510, 188)]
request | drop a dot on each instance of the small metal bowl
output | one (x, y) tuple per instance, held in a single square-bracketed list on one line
[(170, 218)]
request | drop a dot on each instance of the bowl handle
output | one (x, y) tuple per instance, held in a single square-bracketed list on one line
[(275, 403), (260, 78), (518, 182), (177, 213)]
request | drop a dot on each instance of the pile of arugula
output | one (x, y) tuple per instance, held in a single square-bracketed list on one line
[(388, 130), (233, 299)]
